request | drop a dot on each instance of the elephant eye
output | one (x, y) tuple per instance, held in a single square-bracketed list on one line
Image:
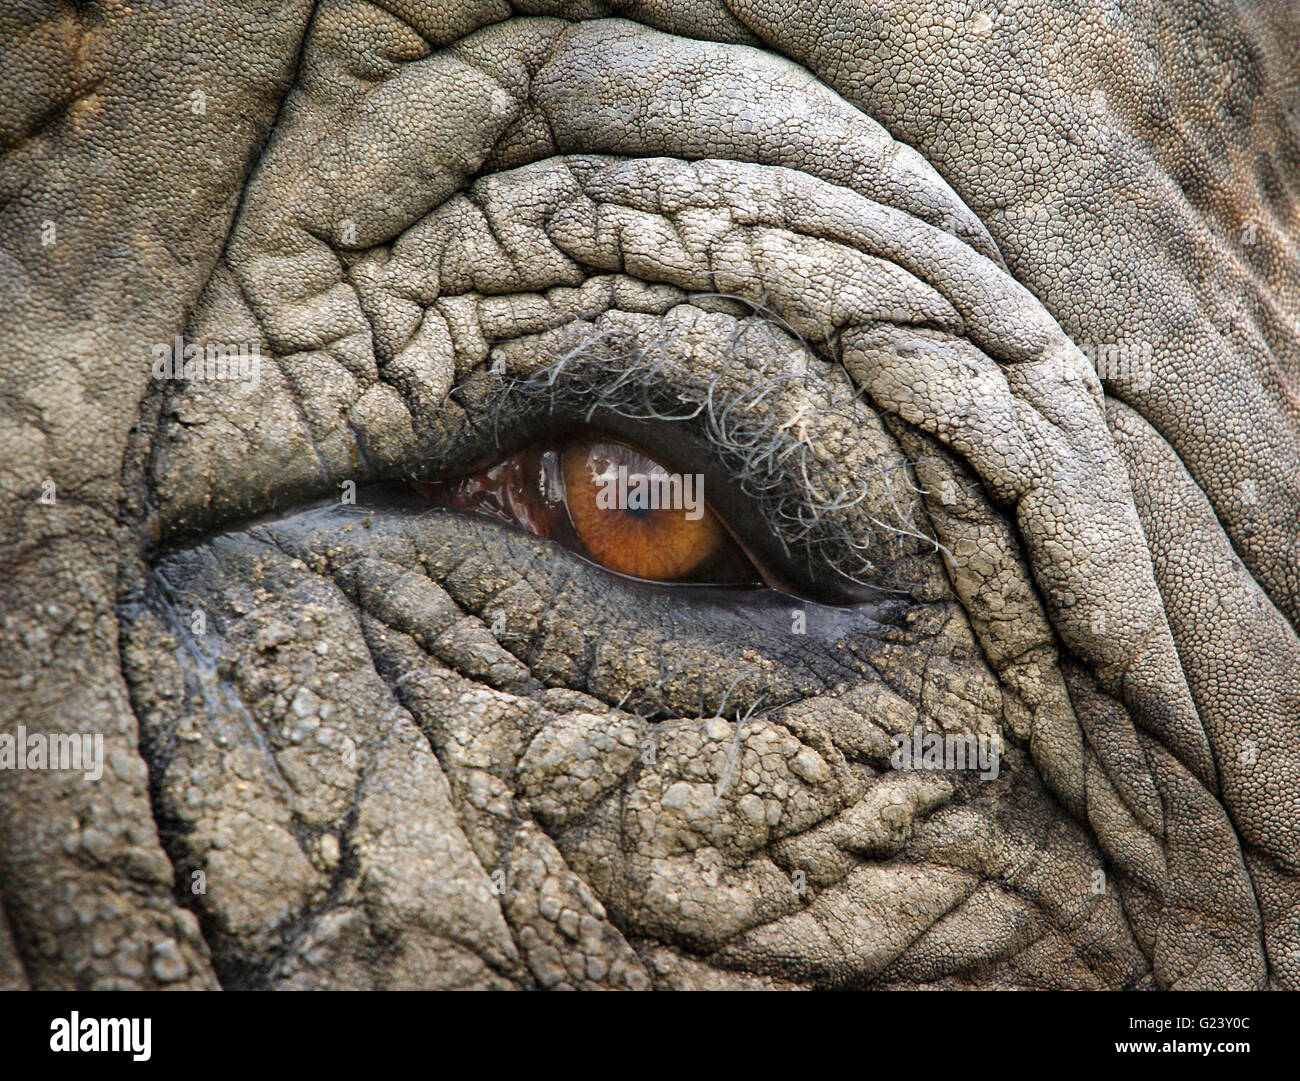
[(611, 503)]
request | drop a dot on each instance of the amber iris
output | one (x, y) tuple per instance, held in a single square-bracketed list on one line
[(634, 516), (609, 502)]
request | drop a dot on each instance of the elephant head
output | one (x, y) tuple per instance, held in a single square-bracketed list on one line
[(980, 329)]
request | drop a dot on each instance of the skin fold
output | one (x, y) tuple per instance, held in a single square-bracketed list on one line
[(867, 269)]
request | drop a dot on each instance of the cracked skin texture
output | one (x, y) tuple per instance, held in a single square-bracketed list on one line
[(413, 749)]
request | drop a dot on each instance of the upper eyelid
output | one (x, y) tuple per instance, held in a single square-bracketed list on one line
[(806, 525), (583, 402)]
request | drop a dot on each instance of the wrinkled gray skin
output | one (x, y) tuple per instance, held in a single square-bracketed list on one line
[(410, 749)]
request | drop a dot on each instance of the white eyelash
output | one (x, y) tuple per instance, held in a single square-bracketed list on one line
[(610, 372)]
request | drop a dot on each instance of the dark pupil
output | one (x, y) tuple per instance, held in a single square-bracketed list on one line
[(638, 502)]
